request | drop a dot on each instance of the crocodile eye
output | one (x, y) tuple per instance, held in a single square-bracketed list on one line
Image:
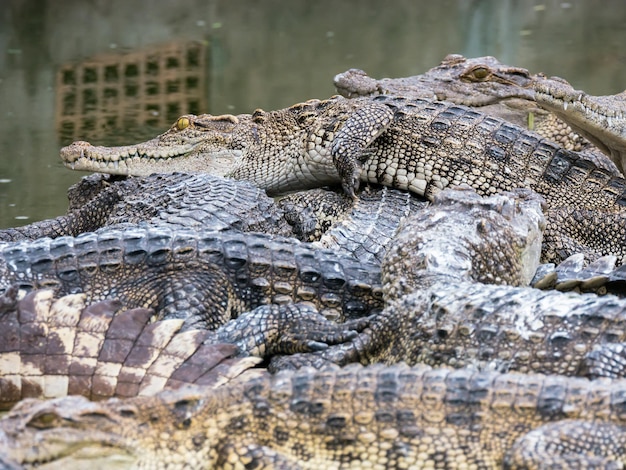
[(183, 123), (44, 420), (480, 73)]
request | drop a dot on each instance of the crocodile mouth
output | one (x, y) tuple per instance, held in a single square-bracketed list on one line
[(60, 453), (145, 159), (578, 103), (601, 123), (95, 457)]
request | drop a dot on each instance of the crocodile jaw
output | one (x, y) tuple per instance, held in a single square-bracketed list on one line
[(601, 119), (68, 450), (147, 158)]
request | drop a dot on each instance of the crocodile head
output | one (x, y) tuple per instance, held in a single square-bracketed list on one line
[(601, 119), (203, 143), (64, 433), (172, 429), (479, 82)]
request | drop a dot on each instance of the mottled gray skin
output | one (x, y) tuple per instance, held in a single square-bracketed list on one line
[(495, 89), (443, 309), (176, 200), (419, 145), (601, 119), (357, 417), (205, 277), (465, 237), (361, 228), (52, 347)]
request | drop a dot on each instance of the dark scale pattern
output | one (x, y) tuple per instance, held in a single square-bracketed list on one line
[(376, 415), (434, 277), (208, 277), (176, 200), (374, 220)]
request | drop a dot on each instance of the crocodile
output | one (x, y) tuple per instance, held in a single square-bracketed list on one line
[(455, 284), (362, 228), (418, 145), (601, 119), (324, 216), (356, 417), (52, 347), (204, 277), (174, 200), (485, 83)]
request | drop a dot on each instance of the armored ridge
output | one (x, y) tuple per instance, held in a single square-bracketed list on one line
[(204, 277), (601, 119), (419, 145), (361, 228), (175, 200), (52, 347), (573, 274), (392, 417)]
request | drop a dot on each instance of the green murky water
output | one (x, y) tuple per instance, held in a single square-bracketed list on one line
[(121, 71)]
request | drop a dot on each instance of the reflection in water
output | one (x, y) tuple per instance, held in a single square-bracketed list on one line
[(116, 95), (86, 69)]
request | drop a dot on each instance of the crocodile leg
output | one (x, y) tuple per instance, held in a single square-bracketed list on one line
[(349, 147), (203, 297), (572, 444), (286, 329)]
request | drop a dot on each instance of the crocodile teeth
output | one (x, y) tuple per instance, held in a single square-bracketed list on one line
[(565, 105)]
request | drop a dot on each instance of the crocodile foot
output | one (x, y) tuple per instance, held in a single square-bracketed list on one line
[(350, 145), (286, 329)]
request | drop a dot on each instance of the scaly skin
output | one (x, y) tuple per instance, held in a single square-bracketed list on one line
[(573, 274), (377, 416), (53, 347), (419, 145), (202, 201), (174, 200), (361, 228), (442, 308), (204, 277), (601, 119), (485, 83)]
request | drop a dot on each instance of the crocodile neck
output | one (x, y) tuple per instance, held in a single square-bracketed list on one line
[(256, 147)]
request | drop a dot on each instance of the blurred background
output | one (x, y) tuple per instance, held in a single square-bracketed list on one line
[(117, 72)]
